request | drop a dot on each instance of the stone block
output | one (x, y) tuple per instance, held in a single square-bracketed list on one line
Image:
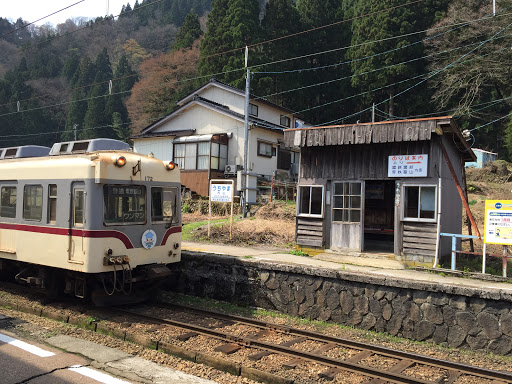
[(424, 330), (456, 336), (489, 324), (501, 346), (432, 313)]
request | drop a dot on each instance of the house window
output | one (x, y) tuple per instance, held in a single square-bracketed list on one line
[(311, 201), (265, 149), (420, 202), (33, 202), (253, 109), (202, 155), (285, 121), (346, 205)]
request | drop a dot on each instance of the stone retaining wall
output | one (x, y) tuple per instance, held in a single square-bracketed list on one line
[(452, 315)]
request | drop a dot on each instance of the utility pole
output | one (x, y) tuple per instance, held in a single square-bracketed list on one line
[(75, 126), (245, 186), (494, 7)]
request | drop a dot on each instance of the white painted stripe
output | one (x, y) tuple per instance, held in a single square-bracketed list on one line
[(25, 346), (96, 375)]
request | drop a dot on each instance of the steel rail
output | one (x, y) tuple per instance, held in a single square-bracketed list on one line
[(432, 361), (247, 341)]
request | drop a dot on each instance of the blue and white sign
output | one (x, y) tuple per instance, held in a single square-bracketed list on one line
[(408, 165), (221, 192), (148, 239)]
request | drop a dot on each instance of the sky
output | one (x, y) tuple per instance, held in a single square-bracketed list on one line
[(31, 10)]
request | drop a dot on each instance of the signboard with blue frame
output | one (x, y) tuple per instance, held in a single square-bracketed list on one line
[(498, 222)]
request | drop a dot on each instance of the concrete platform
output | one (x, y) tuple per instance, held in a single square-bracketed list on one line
[(368, 264), (122, 364)]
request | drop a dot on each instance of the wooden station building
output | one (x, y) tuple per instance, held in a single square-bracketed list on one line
[(388, 187)]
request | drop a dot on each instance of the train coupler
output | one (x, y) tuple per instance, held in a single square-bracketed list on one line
[(116, 260)]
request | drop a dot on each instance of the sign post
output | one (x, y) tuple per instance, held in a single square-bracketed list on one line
[(221, 191), (498, 226)]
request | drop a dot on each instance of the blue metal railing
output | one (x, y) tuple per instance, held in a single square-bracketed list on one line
[(454, 251)]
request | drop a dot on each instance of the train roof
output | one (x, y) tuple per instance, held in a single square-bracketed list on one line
[(87, 146), (23, 151)]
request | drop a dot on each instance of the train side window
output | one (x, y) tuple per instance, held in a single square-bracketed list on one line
[(52, 203), (78, 207), (33, 202), (163, 204), (8, 202)]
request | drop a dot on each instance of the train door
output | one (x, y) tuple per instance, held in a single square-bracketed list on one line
[(77, 220)]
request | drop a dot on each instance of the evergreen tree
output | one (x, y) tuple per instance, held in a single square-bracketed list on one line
[(189, 32), (70, 67), (281, 19), (379, 64), (96, 115), (78, 106), (316, 13), (125, 78), (122, 131), (231, 24)]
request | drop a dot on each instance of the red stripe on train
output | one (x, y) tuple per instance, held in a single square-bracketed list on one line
[(83, 233), (66, 232), (169, 232)]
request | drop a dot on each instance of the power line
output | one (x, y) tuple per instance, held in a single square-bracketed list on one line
[(224, 52), (270, 63), (429, 77), (42, 18)]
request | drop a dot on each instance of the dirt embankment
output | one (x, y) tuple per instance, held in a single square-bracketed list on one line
[(271, 224)]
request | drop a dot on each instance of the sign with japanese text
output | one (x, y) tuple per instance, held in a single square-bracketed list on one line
[(221, 192), (407, 165), (498, 222)]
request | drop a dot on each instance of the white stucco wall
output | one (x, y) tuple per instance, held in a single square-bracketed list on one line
[(261, 164), (161, 147)]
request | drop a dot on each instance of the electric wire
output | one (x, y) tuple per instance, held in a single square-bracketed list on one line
[(459, 25), (231, 71), (42, 18), (422, 81), (251, 46)]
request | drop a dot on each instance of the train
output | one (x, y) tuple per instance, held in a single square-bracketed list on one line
[(89, 218)]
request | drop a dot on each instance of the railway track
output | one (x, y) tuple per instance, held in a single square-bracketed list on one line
[(399, 372)]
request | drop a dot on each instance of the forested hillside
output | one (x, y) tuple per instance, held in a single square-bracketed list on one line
[(329, 60)]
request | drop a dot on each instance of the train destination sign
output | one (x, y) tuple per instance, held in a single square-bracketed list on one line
[(498, 222), (407, 165)]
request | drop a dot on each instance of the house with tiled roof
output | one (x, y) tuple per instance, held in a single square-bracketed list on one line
[(205, 137)]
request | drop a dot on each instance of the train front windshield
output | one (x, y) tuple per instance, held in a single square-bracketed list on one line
[(124, 204)]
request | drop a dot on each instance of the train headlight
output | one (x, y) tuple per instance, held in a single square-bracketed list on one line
[(120, 161), (170, 166)]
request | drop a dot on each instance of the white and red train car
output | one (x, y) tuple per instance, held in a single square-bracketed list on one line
[(91, 218)]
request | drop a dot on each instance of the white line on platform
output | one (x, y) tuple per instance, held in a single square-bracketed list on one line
[(25, 346), (96, 375)]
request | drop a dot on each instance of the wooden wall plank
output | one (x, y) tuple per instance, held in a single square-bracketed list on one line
[(422, 252)]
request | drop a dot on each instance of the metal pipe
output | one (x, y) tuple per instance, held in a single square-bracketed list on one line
[(454, 251), (438, 239), (246, 137), (484, 251)]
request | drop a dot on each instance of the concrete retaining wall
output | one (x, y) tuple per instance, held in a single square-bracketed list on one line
[(452, 315)]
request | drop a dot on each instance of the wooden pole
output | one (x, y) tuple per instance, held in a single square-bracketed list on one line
[(231, 223), (505, 252), (459, 188), (209, 208)]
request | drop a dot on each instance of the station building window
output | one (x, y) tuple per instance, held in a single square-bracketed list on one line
[(420, 202), (33, 202), (311, 201), (8, 202), (346, 205)]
